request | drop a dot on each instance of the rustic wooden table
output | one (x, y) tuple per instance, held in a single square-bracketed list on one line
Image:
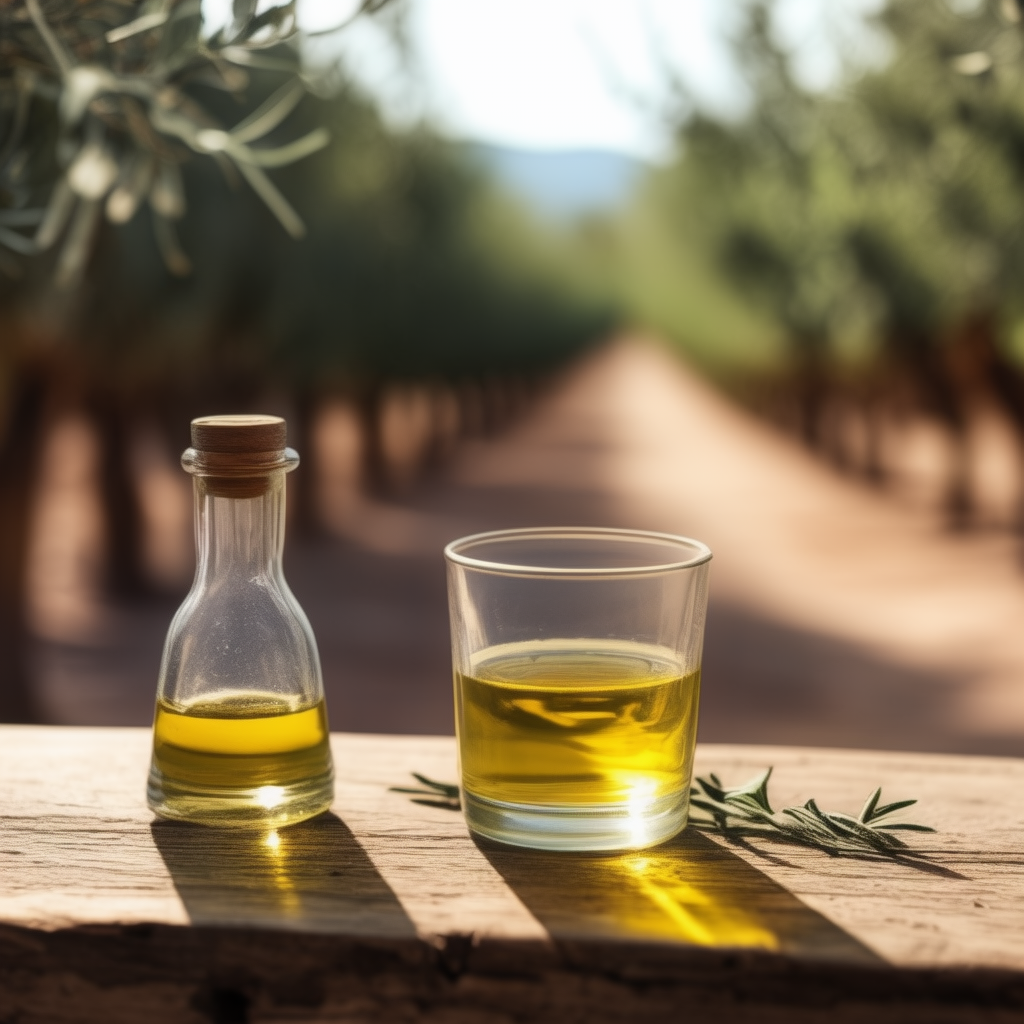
[(386, 910)]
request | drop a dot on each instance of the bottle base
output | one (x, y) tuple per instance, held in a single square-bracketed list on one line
[(258, 807), (577, 827)]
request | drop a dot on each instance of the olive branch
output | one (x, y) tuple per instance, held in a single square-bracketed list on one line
[(98, 114)]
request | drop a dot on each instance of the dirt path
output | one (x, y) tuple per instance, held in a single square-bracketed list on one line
[(838, 617)]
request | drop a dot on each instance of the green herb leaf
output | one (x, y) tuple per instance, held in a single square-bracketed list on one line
[(868, 810), (889, 808), (746, 812)]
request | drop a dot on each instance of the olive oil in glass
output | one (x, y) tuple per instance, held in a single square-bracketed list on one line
[(585, 723), (578, 728), (240, 735)]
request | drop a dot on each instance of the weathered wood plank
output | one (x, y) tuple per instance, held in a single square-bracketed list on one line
[(387, 910), (970, 911)]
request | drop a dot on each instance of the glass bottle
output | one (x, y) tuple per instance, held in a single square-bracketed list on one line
[(240, 735)]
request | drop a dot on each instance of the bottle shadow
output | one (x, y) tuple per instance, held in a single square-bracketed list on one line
[(689, 890), (310, 877)]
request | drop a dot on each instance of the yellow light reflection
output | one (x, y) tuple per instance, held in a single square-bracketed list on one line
[(688, 890), (641, 798), (270, 796), (274, 857), (683, 902)]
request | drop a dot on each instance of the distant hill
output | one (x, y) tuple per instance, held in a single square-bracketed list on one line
[(563, 183)]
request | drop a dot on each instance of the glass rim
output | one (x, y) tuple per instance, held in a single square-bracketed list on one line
[(454, 555)]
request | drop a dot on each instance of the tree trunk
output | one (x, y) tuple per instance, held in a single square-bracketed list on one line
[(959, 500), (472, 413), (832, 432), (125, 575), (445, 425), (19, 459), (811, 393), (949, 405), (1007, 383), (368, 403), (303, 511), (873, 411)]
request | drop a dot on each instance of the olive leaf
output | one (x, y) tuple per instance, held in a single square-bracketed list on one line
[(114, 78)]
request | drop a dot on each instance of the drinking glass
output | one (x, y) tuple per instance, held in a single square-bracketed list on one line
[(576, 657)]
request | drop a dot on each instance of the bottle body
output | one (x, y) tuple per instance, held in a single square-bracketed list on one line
[(240, 734)]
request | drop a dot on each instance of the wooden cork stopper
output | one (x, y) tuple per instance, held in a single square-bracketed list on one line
[(236, 455), (242, 435)]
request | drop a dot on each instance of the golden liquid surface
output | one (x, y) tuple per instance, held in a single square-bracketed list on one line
[(577, 723), (255, 745)]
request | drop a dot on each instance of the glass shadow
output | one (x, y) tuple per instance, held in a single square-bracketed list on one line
[(311, 877), (688, 890)]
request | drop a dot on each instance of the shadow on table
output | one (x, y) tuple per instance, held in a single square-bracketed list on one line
[(689, 890), (311, 877)]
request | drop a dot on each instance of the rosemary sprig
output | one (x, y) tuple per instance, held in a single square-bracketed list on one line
[(746, 812)]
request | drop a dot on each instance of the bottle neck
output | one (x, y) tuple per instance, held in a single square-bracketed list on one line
[(241, 538)]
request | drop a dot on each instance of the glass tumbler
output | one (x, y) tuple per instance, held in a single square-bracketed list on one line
[(576, 657)]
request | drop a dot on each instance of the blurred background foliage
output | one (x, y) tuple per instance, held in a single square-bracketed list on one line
[(193, 222), (189, 222), (860, 246)]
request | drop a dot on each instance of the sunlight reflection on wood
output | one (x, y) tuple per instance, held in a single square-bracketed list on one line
[(690, 890), (311, 877)]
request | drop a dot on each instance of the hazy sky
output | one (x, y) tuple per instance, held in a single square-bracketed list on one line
[(558, 74)]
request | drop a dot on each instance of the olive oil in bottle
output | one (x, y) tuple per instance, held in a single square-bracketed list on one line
[(240, 734), (220, 758)]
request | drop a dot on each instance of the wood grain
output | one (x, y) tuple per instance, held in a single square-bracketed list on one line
[(386, 909)]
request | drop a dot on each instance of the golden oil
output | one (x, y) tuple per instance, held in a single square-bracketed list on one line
[(241, 758), (584, 725)]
